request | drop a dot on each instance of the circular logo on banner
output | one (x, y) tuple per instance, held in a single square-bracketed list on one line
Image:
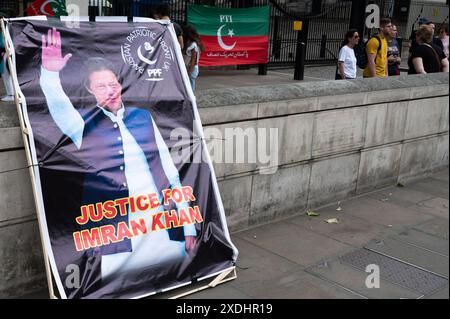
[(147, 54)]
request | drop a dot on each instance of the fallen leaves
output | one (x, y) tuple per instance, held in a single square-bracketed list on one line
[(311, 213), (332, 221)]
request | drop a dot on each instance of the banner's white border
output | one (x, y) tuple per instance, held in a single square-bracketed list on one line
[(198, 129)]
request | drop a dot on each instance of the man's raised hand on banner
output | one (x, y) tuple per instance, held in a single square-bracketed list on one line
[(52, 59)]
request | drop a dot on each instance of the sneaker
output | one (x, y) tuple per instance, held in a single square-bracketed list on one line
[(8, 98)]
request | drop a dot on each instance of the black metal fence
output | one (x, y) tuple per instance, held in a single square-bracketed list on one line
[(324, 28), (324, 22)]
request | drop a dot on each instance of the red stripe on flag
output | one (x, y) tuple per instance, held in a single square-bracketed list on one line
[(246, 50), (35, 7)]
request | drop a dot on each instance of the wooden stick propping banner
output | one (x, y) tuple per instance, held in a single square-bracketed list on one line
[(222, 278)]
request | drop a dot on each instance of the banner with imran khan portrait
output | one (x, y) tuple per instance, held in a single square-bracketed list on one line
[(126, 194)]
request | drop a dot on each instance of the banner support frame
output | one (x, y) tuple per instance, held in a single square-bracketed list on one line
[(25, 137), (221, 278)]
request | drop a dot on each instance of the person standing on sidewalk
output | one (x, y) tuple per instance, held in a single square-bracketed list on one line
[(347, 59), (376, 50), (162, 12), (394, 58), (443, 36), (427, 57), (194, 47)]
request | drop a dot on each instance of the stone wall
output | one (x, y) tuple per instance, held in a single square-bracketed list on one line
[(336, 139)]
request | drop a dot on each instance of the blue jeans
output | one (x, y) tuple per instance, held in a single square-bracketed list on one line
[(193, 76)]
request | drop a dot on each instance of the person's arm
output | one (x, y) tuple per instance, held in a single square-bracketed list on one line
[(171, 171), (387, 68), (341, 61), (445, 65), (372, 51), (179, 34), (341, 69), (181, 42), (399, 56), (418, 65), (60, 107), (371, 64), (193, 62)]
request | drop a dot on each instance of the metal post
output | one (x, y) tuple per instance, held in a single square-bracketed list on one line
[(316, 7), (323, 46), (276, 47), (300, 58), (357, 18), (262, 70), (100, 7)]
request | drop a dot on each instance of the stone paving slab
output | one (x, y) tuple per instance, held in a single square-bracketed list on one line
[(430, 261), (350, 230), (437, 227), (436, 187), (296, 285), (442, 175), (424, 240), (436, 206), (355, 279), (401, 196), (255, 263), (384, 213), (295, 243)]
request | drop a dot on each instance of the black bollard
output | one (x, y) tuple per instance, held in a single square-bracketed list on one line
[(262, 69), (323, 46), (299, 73)]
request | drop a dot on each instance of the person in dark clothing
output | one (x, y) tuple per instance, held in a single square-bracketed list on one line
[(426, 57), (394, 58), (162, 12), (436, 41)]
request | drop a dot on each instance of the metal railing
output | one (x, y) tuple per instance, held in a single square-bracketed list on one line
[(325, 22)]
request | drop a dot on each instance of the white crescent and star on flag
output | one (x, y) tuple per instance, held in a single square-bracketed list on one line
[(220, 40), (44, 4)]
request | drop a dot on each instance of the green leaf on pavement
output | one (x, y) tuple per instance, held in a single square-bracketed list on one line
[(312, 214)]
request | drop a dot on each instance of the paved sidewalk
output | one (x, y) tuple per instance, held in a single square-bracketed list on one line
[(405, 230)]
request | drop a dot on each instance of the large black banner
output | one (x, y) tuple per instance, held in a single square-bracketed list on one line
[(125, 188)]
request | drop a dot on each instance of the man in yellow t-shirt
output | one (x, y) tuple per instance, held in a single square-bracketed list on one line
[(377, 61)]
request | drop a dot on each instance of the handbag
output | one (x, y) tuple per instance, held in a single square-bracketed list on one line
[(435, 55)]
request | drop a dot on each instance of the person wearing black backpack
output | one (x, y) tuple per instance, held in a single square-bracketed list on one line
[(376, 50)]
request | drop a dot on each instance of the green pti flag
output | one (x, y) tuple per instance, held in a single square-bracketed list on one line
[(52, 8), (232, 36)]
